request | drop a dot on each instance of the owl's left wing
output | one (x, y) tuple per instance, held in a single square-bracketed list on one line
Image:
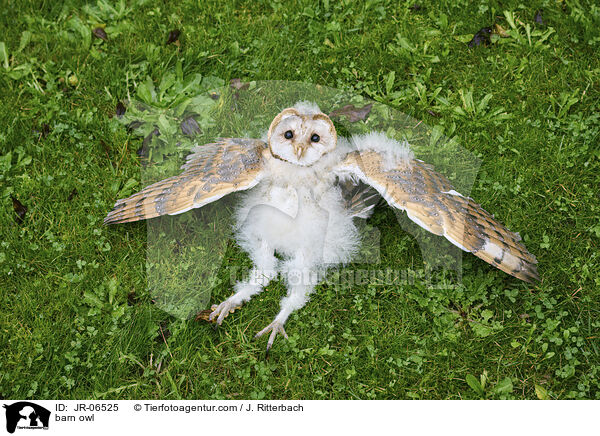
[(430, 200), (210, 172)]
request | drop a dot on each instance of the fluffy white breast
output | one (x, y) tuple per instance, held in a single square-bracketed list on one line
[(299, 208)]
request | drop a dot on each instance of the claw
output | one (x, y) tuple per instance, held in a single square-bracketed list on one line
[(222, 310), (275, 327)]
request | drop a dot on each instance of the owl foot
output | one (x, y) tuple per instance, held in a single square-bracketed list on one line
[(222, 310), (275, 327)]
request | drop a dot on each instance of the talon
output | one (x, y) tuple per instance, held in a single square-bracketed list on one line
[(275, 327), (221, 311)]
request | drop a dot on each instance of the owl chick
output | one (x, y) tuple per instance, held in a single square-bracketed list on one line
[(296, 204)]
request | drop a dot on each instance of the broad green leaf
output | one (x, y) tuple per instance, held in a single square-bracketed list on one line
[(201, 104), (20, 71), (474, 384), (128, 187), (211, 82), (436, 134), (167, 81), (486, 314), (25, 38), (146, 92), (405, 44), (112, 289), (181, 105), (510, 19), (464, 38), (483, 103), (504, 386), (166, 126), (481, 330), (81, 30), (5, 162), (92, 299), (3, 55), (541, 393), (389, 81)]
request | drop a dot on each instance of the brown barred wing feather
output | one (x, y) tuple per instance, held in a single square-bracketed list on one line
[(430, 200), (210, 172)]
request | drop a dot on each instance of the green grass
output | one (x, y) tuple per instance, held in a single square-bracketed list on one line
[(76, 320)]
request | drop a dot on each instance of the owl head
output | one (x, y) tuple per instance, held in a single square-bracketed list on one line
[(301, 135)]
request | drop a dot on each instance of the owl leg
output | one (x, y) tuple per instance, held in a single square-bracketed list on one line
[(301, 276), (262, 273)]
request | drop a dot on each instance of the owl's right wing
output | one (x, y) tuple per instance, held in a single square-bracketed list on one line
[(210, 172), (430, 200)]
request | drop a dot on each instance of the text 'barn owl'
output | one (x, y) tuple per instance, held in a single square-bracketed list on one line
[(296, 206)]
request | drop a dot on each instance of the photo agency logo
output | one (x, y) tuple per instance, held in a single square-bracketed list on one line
[(25, 415)]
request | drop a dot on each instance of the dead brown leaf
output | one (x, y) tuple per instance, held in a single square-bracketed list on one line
[(203, 315), (481, 37), (173, 36), (500, 31), (238, 84), (19, 209), (100, 33), (72, 194), (352, 113), (120, 109)]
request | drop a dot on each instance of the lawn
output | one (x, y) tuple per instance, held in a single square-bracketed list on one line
[(77, 319)]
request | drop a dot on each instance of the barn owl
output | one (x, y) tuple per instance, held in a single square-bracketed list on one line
[(296, 205)]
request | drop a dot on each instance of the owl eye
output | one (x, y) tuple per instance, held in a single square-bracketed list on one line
[(288, 134), (315, 138)]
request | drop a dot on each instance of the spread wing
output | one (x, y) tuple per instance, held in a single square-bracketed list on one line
[(210, 172), (430, 201)]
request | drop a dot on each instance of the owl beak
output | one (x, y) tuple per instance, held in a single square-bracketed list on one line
[(299, 149)]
